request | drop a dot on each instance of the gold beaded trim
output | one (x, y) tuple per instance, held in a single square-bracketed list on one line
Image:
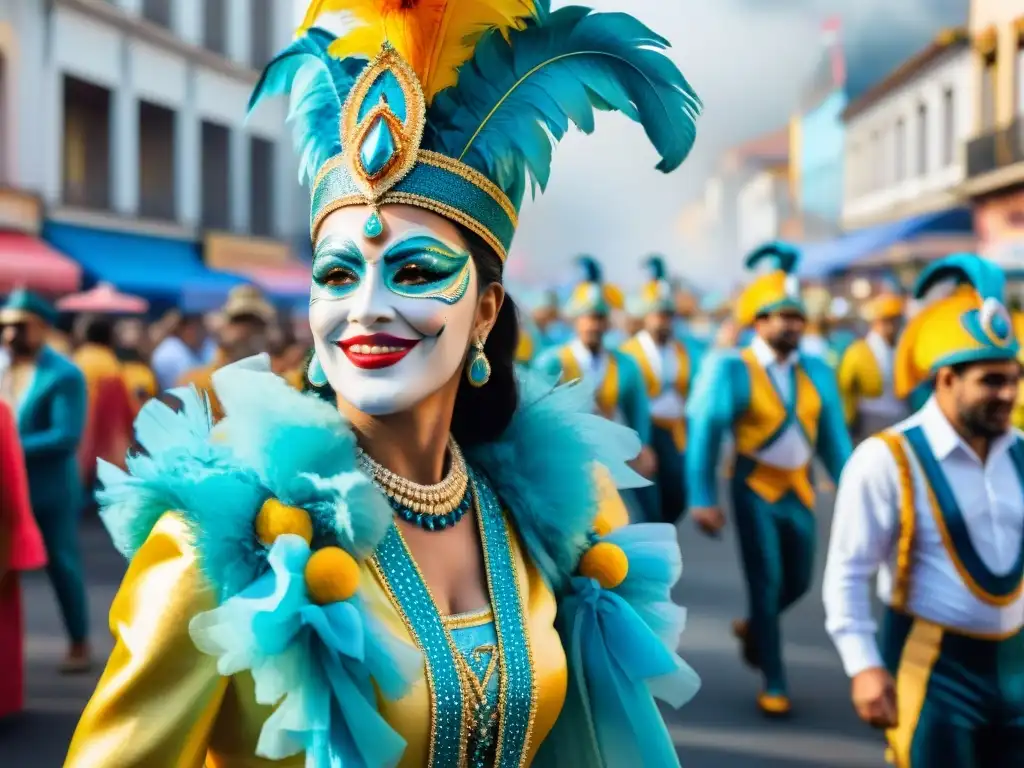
[(435, 500)]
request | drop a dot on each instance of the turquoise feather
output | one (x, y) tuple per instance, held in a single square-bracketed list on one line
[(318, 85), (543, 468), (780, 255), (590, 270), (987, 278), (656, 271), (516, 96)]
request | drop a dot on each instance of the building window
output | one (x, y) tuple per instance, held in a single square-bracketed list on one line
[(216, 173), (156, 162), (901, 150), (948, 127), (215, 26), (988, 93), (86, 144), (922, 139), (260, 39), (157, 11), (261, 186)]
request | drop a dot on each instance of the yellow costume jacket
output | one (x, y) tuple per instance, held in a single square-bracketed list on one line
[(235, 649)]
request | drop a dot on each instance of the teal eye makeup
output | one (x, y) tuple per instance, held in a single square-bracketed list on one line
[(422, 267), (338, 268)]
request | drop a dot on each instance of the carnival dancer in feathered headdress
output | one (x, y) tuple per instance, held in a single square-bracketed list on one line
[(865, 372), (668, 368), (935, 507), (783, 410), (319, 588)]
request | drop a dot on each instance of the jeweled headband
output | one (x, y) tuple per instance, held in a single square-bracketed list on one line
[(383, 162), (454, 107)]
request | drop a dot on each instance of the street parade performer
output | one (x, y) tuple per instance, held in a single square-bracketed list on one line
[(419, 562), (667, 367), (619, 393), (935, 507), (782, 408), (865, 372)]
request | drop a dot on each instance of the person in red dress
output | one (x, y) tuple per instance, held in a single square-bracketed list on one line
[(21, 549)]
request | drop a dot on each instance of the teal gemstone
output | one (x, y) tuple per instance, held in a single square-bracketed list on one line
[(1000, 326), (378, 147), (374, 227), (479, 370)]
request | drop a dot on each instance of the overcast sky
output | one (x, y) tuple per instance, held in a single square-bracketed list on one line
[(747, 60)]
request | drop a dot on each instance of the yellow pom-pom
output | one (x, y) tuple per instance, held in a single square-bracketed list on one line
[(332, 575), (276, 519), (606, 563)]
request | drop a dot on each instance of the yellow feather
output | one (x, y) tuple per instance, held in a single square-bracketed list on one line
[(435, 37)]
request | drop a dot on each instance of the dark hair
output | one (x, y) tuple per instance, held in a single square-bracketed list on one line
[(482, 414), (99, 330)]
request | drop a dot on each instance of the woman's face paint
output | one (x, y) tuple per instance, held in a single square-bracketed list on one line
[(391, 317)]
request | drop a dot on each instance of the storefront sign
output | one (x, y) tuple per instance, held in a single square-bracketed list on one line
[(230, 252), (20, 211), (999, 223)]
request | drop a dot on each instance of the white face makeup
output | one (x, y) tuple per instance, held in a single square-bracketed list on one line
[(391, 317)]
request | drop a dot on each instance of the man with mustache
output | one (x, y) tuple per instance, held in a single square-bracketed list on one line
[(783, 410), (935, 507)]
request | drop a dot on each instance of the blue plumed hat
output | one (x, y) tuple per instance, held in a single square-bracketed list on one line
[(454, 106), (592, 295), (658, 293), (23, 302)]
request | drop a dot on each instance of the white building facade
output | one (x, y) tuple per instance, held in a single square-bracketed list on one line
[(763, 205), (132, 114), (904, 138)]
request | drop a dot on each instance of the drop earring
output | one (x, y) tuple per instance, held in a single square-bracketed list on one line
[(315, 372), (478, 369)]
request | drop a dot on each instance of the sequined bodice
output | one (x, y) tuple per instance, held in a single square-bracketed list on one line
[(475, 642)]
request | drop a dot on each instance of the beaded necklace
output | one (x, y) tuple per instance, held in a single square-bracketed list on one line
[(431, 507)]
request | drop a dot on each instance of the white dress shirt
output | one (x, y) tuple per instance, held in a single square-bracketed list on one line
[(593, 368), (668, 403), (865, 537), (791, 449), (887, 406)]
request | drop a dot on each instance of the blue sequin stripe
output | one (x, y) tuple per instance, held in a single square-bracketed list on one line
[(405, 585), (516, 692)]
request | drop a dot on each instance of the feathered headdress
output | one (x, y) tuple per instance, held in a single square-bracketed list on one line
[(963, 320), (454, 105), (592, 294), (775, 290), (658, 293)]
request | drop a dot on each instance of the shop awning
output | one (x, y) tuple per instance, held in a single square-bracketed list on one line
[(28, 262), (823, 259), (161, 270)]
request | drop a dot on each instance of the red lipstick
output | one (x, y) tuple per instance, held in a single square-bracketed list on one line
[(377, 351)]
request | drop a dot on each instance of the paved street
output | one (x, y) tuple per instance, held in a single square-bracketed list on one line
[(719, 729)]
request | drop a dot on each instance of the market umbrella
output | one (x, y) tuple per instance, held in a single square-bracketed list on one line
[(104, 299)]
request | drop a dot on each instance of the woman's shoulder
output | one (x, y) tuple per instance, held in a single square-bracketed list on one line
[(275, 449), (554, 467)]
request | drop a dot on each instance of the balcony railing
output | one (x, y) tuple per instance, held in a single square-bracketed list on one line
[(996, 149)]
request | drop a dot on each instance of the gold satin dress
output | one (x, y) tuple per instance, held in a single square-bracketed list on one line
[(161, 703)]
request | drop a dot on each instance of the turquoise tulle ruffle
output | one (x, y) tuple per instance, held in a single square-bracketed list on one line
[(307, 659), (621, 648)]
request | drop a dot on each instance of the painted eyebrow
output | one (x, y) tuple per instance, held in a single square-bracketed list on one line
[(332, 245), (418, 243)]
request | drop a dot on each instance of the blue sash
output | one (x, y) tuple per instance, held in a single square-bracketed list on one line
[(980, 580), (789, 404)]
